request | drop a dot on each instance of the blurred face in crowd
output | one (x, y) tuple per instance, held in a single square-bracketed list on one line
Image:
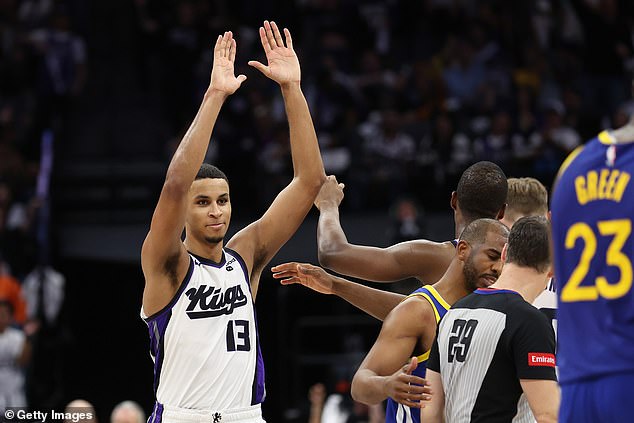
[(5, 317)]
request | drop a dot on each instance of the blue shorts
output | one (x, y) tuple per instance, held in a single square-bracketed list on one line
[(606, 399)]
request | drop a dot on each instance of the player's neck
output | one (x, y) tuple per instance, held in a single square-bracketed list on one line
[(212, 252), (525, 281)]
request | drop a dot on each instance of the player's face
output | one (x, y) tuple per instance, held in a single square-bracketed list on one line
[(484, 264), (209, 210)]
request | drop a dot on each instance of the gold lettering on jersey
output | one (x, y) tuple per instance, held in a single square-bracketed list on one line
[(608, 184)]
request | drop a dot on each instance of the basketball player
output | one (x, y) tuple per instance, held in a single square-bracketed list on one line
[(592, 211), (199, 294), (411, 327), (528, 197), (481, 193), (493, 359)]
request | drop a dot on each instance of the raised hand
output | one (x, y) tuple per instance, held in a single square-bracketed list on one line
[(283, 65), (310, 276), (223, 79), (331, 192), (403, 387)]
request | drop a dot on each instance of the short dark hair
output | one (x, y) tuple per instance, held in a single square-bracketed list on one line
[(529, 243), (210, 171), (482, 191), (476, 232)]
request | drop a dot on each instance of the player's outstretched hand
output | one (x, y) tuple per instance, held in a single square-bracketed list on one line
[(403, 387), (331, 192), (283, 65), (310, 276), (223, 79)]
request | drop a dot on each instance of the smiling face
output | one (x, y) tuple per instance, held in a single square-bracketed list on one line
[(484, 262), (208, 211)]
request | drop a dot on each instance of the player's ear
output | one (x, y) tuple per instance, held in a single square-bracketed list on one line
[(463, 250), (505, 251), (454, 200), (501, 212)]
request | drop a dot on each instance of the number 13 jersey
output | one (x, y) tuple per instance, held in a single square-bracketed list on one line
[(204, 343)]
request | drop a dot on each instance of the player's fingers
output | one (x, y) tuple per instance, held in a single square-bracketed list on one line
[(259, 66), (269, 35), (416, 389), (264, 40), (223, 44), (290, 281), (232, 50), (289, 39), (285, 266), (217, 45), (277, 35), (342, 185), (285, 274)]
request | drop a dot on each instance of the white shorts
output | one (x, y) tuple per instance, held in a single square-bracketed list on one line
[(251, 414)]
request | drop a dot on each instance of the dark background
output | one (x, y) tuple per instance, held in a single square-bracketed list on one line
[(404, 94)]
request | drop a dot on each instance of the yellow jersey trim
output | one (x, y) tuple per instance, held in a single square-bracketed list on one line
[(569, 160), (606, 138)]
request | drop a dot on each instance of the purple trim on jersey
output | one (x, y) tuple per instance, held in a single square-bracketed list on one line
[(171, 304), (489, 291), (455, 242), (157, 414), (208, 262), (242, 264), (258, 391), (157, 330)]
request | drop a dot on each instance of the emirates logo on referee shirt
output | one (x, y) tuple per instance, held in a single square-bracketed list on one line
[(541, 359)]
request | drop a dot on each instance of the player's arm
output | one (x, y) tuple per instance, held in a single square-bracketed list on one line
[(433, 411), (543, 398), (421, 259), (163, 256), (533, 346), (375, 302), (259, 241), (386, 370)]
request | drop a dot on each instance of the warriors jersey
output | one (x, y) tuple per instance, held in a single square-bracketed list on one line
[(485, 344), (398, 413), (204, 343), (592, 212)]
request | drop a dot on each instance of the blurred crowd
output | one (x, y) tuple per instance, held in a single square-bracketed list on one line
[(404, 95)]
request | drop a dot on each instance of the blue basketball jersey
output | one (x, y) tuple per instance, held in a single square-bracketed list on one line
[(592, 212), (398, 413)]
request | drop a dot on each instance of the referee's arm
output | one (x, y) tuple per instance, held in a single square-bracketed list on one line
[(433, 411)]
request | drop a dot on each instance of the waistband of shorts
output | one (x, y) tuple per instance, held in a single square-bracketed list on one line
[(187, 415)]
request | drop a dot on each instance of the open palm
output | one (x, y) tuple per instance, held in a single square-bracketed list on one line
[(223, 78), (283, 65), (310, 276)]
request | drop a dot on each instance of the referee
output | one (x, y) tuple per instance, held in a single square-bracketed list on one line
[(493, 359)]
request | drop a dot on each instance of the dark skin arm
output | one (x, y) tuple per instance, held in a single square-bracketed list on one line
[(261, 240), (375, 302), (383, 373), (422, 259)]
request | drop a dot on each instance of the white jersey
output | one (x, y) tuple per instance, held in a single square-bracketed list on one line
[(546, 302), (11, 375), (204, 343)]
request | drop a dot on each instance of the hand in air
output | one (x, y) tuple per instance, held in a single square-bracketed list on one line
[(223, 79), (310, 276), (283, 65), (403, 387), (331, 192)]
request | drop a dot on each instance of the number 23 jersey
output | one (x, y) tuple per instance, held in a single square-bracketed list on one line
[(204, 343), (592, 212)]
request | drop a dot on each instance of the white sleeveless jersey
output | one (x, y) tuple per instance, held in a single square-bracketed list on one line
[(204, 343)]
